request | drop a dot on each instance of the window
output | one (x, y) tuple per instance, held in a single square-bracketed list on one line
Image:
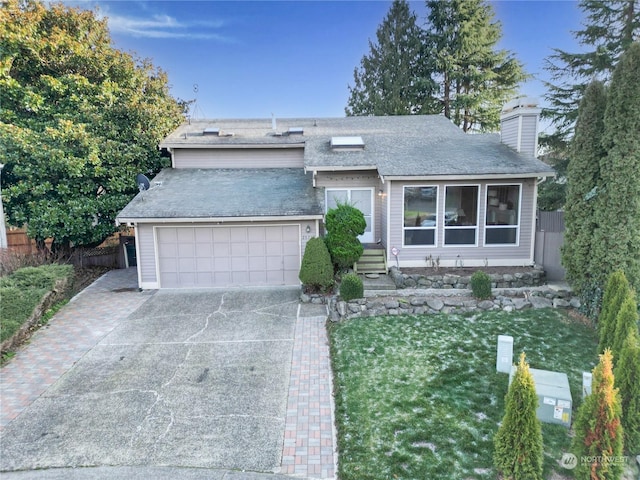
[(461, 215), (503, 215), (420, 220)]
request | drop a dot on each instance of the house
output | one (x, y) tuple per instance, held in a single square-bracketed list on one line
[(242, 197)]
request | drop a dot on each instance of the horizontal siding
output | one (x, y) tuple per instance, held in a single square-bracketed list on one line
[(495, 255), (509, 132), (147, 253), (238, 158), (528, 139)]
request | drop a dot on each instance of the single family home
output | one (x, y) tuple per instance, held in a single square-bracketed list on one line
[(242, 197)]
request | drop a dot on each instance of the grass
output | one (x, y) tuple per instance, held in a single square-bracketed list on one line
[(419, 397)]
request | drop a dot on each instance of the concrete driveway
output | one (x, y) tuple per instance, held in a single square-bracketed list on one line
[(191, 379)]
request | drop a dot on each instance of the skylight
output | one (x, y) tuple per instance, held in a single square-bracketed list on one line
[(347, 143)]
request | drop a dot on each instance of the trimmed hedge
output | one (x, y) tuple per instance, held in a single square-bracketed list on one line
[(316, 270), (481, 285), (351, 287)]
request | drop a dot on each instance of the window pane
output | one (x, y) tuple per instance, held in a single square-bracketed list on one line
[(420, 206), (503, 204), (361, 199), (336, 196), (420, 237), (461, 206), (497, 236), (460, 236)]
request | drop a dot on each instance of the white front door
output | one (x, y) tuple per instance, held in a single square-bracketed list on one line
[(362, 199)]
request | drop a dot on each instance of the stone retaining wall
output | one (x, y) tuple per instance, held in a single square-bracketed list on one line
[(533, 278)]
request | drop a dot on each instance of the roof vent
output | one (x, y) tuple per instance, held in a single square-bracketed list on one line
[(295, 131), (211, 131), (347, 143)]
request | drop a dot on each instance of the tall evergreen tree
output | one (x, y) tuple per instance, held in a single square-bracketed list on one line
[(617, 291), (598, 431), (616, 240), (608, 30), (626, 322), (627, 373), (583, 175), (393, 79), (475, 78)]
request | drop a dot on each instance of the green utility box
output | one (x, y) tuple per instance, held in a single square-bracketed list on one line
[(554, 396)]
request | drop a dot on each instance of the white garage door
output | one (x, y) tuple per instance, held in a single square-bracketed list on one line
[(228, 256)]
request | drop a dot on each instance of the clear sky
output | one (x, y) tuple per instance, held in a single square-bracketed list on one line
[(296, 58)]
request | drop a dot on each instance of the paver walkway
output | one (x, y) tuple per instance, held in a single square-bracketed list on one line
[(309, 440)]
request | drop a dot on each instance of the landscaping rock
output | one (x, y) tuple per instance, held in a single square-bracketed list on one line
[(418, 301), (435, 304), (485, 305), (575, 302), (520, 303), (540, 302), (392, 304), (560, 303)]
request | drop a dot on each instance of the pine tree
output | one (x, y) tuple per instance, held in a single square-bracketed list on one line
[(598, 431), (616, 241), (475, 78), (393, 78), (617, 290), (583, 175), (518, 442), (627, 374), (626, 322)]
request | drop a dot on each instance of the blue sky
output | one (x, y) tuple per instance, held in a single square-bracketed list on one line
[(296, 59)]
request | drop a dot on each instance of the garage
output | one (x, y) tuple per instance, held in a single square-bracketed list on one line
[(223, 256)]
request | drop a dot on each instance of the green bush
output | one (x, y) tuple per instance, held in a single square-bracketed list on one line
[(518, 442), (316, 270), (44, 276), (481, 285), (615, 293), (627, 375), (344, 224), (351, 287)]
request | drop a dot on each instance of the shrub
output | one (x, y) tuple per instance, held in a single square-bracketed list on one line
[(316, 271), (44, 276), (626, 321), (344, 223), (351, 287), (614, 295), (481, 285), (518, 442), (627, 374), (598, 431)]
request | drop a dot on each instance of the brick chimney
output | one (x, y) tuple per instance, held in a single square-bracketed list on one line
[(519, 125)]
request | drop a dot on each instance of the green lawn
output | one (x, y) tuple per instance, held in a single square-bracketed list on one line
[(418, 396)]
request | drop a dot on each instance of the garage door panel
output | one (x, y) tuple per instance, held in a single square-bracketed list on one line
[(205, 256)]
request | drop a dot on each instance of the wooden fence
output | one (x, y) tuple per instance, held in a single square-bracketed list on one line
[(549, 240)]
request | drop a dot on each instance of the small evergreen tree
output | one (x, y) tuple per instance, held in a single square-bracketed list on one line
[(344, 224), (626, 321), (316, 270), (351, 287), (481, 285), (615, 293), (627, 374), (598, 431), (518, 442)]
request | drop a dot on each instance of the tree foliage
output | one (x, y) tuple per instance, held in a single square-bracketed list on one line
[(451, 67), (583, 176), (627, 374), (598, 431), (392, 78), (79, 119), (475, 78), (518, 442), (344, 224), (626, 322), (316, 270), (617, 291)]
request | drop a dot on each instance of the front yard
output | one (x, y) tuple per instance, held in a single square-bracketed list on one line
[(419, 396)]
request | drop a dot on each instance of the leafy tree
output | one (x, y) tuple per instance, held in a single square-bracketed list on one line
[(627, 374), (583, 176), (608, 30), (626, 322), (518, 442), (79, 119), (316, 270), (598, 431), (475, 78), (617, 291), (391, 79), (344, 224), (616, 240)]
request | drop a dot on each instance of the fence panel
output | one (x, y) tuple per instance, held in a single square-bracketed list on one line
[(547, 254)]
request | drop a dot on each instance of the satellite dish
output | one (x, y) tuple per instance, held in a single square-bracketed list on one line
[(143, 182)]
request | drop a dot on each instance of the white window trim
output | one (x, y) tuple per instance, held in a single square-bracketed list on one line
[(460, 227), (491, 227), (435, 228), (371, 190)]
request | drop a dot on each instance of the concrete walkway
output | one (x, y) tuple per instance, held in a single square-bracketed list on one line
[(309, 439)]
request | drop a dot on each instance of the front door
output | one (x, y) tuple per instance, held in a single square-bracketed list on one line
[(362, 199)]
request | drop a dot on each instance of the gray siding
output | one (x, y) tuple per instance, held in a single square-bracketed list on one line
[(509, 132), (468, 255), (238, 158), (146, 253), (529, 135), (356, 179)]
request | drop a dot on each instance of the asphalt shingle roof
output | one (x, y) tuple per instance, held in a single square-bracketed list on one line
[(206, 193)]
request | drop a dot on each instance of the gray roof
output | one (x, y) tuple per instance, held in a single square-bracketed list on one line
[(404, 146), (207, 193)]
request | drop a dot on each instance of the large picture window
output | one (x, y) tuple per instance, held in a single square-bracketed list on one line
[(461, 215), (503, 215), (420, 219)]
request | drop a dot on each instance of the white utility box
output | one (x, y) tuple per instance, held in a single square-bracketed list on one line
[(554, 395), (504, 357)]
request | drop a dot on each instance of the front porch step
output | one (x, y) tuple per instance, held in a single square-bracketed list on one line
[(373, 260)]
